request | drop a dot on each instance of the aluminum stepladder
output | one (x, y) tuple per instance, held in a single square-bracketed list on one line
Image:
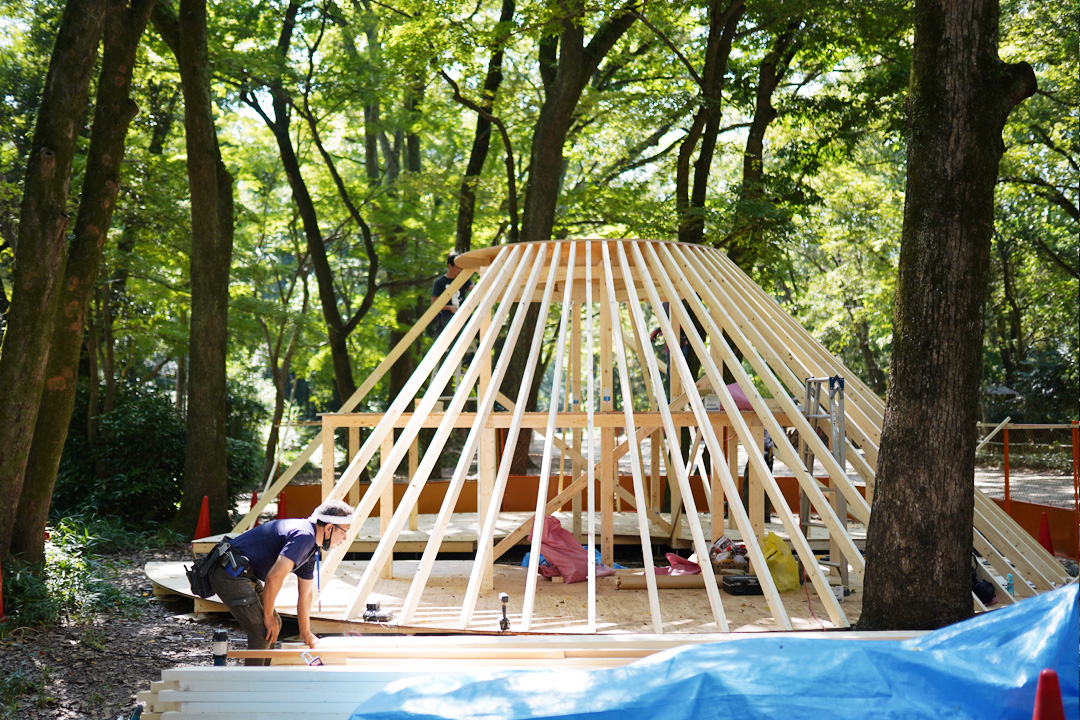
[(830, 413)]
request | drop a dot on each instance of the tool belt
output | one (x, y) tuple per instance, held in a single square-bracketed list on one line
[(235, 564)]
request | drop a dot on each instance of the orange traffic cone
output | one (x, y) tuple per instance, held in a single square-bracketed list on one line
[(254, 501), (282, 511), (203, 528), (1044, 534), (1048, 705)]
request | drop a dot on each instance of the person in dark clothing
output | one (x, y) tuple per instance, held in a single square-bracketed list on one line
[(768, 456), (255, 564), (452, 271)]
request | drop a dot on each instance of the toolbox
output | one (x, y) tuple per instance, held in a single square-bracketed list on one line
[(741, 585)]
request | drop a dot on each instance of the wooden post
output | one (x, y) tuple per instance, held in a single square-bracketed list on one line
[(1005, 441), (756, 484), (608, 465), (575, 406), (327, 457), (386, 503), (1076, 476), (354, 447), (486, 461)]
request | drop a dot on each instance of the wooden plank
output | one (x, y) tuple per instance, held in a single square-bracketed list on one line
[(631, 439), (578, 465), (677, 359), (248, 521), (807, 358), (386, 503), (383, 555), (590, 496), (694, 283), (558, 377), (802, 547), (486, 461), (1017, 537), (608, 465), (487, 532), (460, 330)]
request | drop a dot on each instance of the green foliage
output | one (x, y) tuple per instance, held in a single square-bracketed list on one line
[(74, 584), (15, 685), (135, 469)]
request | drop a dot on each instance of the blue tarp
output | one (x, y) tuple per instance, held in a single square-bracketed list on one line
[(985, 667)]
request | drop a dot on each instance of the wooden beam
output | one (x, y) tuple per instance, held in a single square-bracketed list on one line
[(485, 407), (390, 533), (487, 532), (248, 521), (631, 439), (557, 383), (742, 521)]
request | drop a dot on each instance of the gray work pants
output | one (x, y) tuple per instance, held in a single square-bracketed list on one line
[(243, 597)]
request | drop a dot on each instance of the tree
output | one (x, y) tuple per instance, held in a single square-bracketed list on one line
[(39, 257), (919, 537), (205, 466), (114, 110)]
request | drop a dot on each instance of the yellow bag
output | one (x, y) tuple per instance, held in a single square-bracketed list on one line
[(782, 566)]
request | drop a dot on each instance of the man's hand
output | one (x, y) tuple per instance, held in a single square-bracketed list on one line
[(310, 639), (273, 626)]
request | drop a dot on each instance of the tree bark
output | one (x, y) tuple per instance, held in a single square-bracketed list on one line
[(481, 142), (113, 113), (39, 257), (205, 464), (918, 550), (690, 204), (564, 84), (337, 330), (744, 244)]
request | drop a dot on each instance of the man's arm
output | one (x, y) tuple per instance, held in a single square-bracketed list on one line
[(281, 569), (303, 610)]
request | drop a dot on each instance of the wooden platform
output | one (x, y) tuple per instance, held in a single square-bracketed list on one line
[(560, 608)]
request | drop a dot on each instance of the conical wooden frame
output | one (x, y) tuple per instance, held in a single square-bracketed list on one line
[(606, 297)]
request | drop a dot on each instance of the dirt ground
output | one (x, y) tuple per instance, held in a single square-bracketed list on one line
[(92, 671)]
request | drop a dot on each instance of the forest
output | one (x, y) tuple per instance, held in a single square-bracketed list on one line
[(347, 146)]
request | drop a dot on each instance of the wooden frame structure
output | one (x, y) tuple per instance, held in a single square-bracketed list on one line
[(606, 297)]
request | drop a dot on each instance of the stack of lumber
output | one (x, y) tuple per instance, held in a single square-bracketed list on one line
[(355, 668)]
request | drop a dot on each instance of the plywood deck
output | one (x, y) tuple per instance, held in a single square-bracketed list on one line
[(559, 608)]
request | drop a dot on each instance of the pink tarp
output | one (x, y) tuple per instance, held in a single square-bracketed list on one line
[(564, 554)]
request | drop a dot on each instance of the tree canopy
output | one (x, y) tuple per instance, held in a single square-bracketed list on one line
[(367, 138)]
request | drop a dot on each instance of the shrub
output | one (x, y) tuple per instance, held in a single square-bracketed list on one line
[(135, 469), (73, 584)]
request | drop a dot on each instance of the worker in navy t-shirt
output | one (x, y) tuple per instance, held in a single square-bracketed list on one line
[(266, 555), (441, 283)]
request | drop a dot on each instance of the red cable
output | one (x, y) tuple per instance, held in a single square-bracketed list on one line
[(811, 607)]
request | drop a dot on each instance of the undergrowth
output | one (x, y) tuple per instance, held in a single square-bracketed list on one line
[(75, 583)]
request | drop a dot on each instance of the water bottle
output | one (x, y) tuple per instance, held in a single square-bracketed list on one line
[(1009, 584), (221, 646)]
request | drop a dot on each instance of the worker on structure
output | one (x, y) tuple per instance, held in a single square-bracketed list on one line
[(441, 283), (252, 567)]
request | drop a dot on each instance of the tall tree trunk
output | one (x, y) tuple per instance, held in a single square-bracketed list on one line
[(113, 112), (39, 257), (565, 77), (744, 244), (690, 204), (337, 330), (205, 464), (919, 537), (481, 141)]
